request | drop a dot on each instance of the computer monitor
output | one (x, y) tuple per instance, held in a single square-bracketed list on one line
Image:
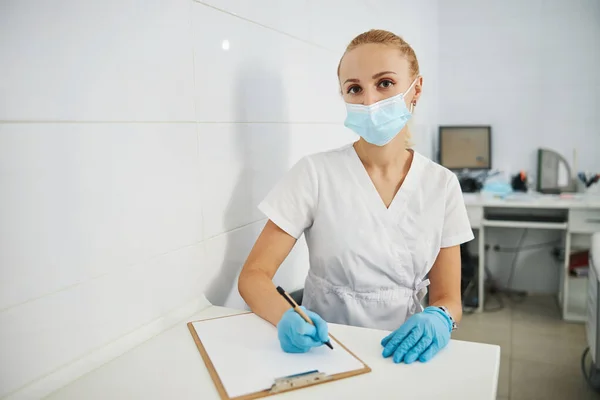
[(465, 147)]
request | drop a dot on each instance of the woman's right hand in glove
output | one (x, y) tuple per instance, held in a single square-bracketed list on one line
[(298, 336)]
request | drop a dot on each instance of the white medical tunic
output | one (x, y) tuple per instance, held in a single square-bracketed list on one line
[(368, 262)]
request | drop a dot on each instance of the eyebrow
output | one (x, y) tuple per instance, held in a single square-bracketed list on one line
[(377, 75)]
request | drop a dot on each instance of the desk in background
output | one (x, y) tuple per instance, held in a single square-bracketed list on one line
[(576, 217), (169, 366)]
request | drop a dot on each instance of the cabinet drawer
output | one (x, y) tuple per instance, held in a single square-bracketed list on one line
[(475, 214), (584, 221)]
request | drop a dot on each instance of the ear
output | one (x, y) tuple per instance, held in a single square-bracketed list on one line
[(418, 90)]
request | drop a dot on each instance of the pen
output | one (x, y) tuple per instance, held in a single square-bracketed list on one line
[(299, 310)]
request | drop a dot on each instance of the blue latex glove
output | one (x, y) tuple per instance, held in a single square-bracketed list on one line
[(420, 337), (298, 336)]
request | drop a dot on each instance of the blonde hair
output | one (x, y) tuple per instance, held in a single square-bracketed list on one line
[(379, 36)]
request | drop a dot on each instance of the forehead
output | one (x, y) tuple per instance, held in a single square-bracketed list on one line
[(369, 59)]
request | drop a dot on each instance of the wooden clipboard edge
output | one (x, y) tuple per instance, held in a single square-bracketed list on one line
[(351, 353), (263, 393), (209, 365), (222, 316)]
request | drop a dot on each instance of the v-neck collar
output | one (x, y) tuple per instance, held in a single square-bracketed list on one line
[(370, 191)]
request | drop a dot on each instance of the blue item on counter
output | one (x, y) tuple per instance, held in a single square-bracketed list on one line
[(497, 188)]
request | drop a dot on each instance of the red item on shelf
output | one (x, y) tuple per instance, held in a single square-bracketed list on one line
[(579, 259)]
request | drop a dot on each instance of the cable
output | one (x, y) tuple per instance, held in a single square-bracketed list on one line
[(509, 289), (516, 296), (468, 280), (499, 307), (494, 292), (472, 285), (513, 295), (528, 247), (587, 375), (466, 292)]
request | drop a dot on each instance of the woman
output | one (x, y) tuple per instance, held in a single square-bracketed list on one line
[(378, 217)]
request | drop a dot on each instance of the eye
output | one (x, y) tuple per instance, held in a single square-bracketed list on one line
[(354, 89), (386, 84)]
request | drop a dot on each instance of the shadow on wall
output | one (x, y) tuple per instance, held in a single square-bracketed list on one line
[(263, 149)]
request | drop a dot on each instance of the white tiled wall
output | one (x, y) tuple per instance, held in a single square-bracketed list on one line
[(530, 69), (85, 200), (110, 60), (136, 139)]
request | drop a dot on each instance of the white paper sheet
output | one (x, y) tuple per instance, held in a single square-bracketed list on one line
[(245, 352)]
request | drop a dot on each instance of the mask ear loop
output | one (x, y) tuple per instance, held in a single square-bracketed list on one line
[(412, 84), (412, 104)]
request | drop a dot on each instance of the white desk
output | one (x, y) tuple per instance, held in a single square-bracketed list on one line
[(169, 366), (582, 219)]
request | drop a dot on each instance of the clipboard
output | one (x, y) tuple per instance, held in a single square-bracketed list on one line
[(216, 335)]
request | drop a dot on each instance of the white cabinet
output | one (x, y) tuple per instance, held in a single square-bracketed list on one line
[(584, 221)]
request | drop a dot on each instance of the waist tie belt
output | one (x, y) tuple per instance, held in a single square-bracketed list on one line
[(419, 294)]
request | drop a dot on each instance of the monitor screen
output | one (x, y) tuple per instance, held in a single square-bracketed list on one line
[(467, 147)]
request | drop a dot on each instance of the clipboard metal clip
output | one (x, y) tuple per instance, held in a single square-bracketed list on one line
[(299, 380)]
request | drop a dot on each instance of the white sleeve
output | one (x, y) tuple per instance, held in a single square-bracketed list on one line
[(292, 202), (457, 228)]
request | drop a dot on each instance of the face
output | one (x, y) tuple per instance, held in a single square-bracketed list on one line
[(373, 72)]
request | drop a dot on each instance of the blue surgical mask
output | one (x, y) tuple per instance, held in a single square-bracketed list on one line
[(379, 122)]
